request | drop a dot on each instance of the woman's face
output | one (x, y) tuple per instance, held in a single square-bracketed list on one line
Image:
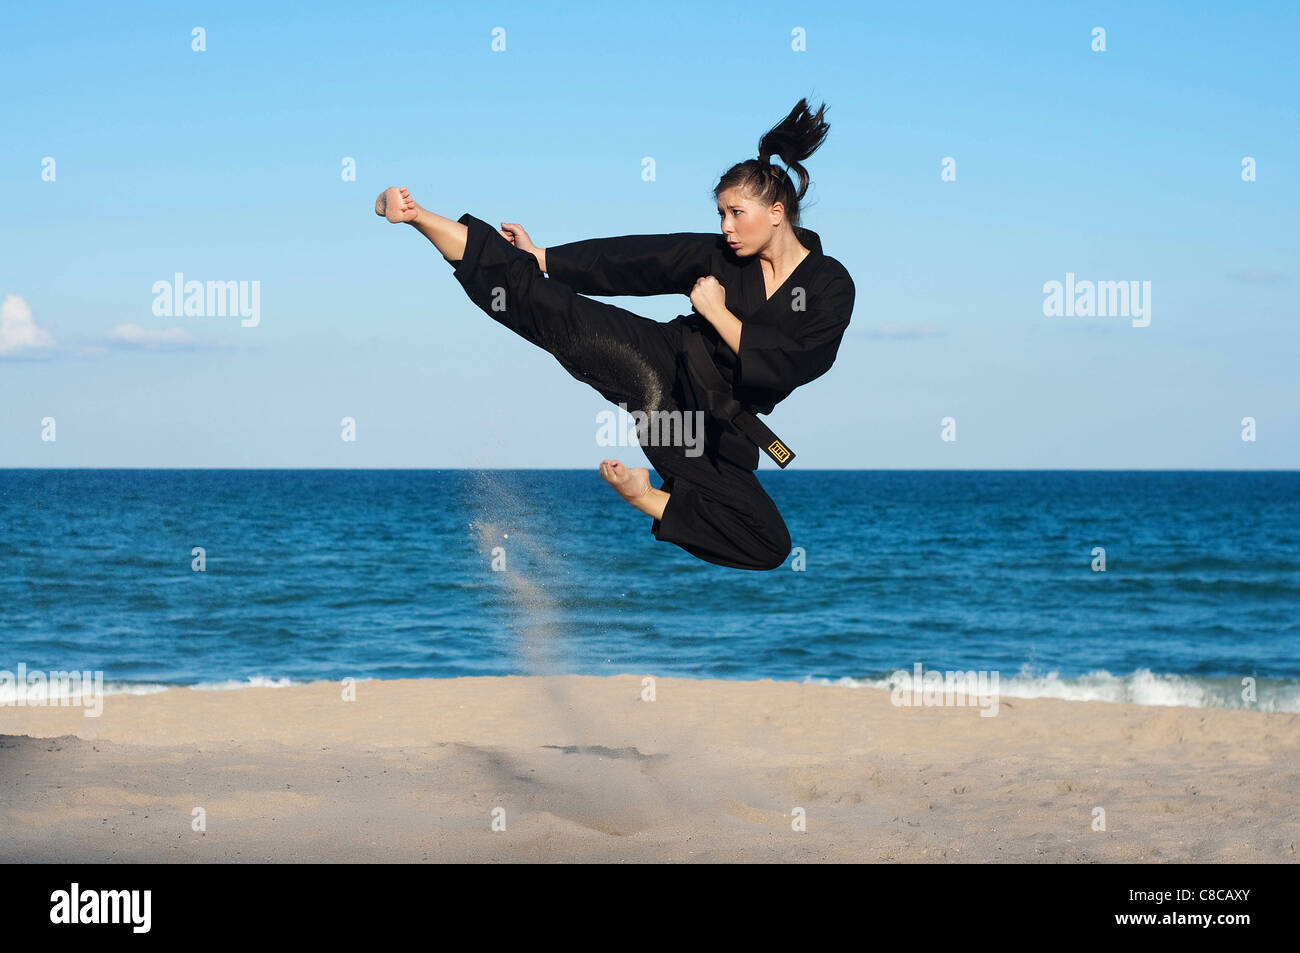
[(748, 225)]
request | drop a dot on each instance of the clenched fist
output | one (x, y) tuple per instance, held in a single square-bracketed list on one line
[(708, 296)]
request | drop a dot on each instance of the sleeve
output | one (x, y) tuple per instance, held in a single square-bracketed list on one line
[(770, 359), (633, 264)]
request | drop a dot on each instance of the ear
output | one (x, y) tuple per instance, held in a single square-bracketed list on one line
[(777, 212)]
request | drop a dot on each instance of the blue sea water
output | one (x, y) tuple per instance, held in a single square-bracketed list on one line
[(327, 574)]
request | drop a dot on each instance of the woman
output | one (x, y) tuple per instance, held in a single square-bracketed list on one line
[(769, 310)]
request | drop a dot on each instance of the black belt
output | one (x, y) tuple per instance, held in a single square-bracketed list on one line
[(724, 405)]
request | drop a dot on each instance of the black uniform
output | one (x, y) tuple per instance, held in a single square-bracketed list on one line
[(718, 511)]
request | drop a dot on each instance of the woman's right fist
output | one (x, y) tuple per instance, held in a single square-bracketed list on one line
[(515, 235)]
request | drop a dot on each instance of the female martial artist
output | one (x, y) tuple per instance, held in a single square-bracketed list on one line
[(769, 310)]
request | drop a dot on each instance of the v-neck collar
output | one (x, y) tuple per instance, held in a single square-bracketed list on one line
[(809, 240)]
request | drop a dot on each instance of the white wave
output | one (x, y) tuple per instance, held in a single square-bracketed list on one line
[(134, 688), (1141, 687), (253, 681), (263, 681)]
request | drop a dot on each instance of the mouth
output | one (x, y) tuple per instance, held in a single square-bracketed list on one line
[(733, 244)]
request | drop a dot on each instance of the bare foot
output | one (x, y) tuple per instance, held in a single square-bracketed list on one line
[(630, 484), (396, 205), (634, 486)]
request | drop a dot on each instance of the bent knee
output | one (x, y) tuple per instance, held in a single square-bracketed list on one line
[(777, 550)]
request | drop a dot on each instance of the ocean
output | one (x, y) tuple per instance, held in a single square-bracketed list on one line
[(227, 578)]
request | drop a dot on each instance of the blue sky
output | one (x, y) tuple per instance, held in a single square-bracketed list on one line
[(225, 165)]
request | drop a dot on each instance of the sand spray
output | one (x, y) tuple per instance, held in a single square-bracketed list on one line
[(615, 789)]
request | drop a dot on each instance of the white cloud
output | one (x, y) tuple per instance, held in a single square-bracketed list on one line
[(18, 331), (134, 334)]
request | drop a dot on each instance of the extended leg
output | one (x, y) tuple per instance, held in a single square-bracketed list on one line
[(627, 358), (623, 356)]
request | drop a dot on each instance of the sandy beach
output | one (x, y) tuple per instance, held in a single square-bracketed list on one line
[(585, 769)]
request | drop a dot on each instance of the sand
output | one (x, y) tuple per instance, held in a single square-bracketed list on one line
[(584, 769)]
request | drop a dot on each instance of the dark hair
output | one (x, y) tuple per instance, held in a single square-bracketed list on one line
[(793, 139)]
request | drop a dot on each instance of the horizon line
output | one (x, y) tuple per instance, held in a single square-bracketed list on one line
[(764, 470)]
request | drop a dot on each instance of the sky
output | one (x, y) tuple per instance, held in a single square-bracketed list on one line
[(226, 164)]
